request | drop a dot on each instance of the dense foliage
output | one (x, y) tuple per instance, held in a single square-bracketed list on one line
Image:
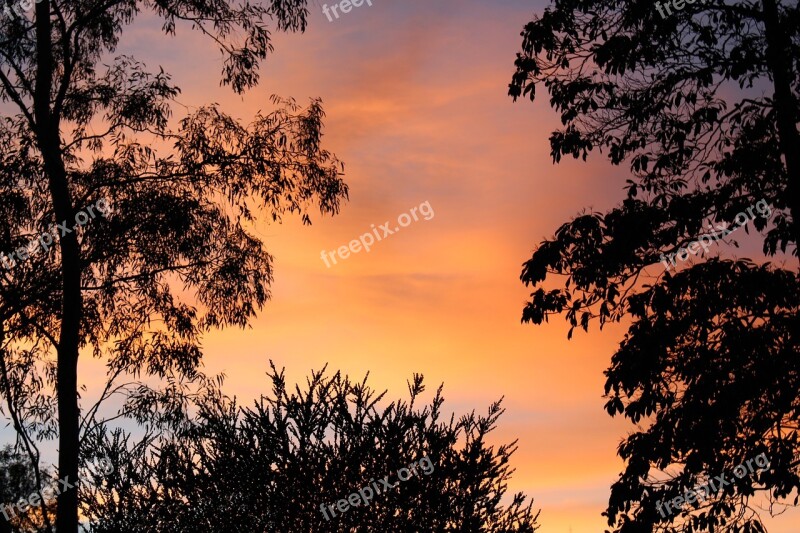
[(271, 466), (702, 107)]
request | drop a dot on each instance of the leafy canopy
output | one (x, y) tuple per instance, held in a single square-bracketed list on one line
[(176, 255), (702, 108)]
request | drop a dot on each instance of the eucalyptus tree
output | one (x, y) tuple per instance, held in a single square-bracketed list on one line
[(173, 254), (699, 100)]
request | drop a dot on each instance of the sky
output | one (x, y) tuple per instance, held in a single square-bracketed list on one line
[(416, 99)]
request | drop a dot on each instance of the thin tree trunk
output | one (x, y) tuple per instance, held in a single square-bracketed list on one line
[(49, 141), (779, 61)]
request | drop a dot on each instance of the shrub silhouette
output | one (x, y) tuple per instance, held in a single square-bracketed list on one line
[(270, 467)]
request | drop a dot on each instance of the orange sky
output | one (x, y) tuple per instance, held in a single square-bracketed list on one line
[(415, 93)]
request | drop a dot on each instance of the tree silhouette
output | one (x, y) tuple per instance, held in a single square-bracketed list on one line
[(18, 479), (702, 104), (94, 131), (273, 466)]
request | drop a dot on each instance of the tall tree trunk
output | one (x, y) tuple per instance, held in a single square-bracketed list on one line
[(49, 141), (779, 62)]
